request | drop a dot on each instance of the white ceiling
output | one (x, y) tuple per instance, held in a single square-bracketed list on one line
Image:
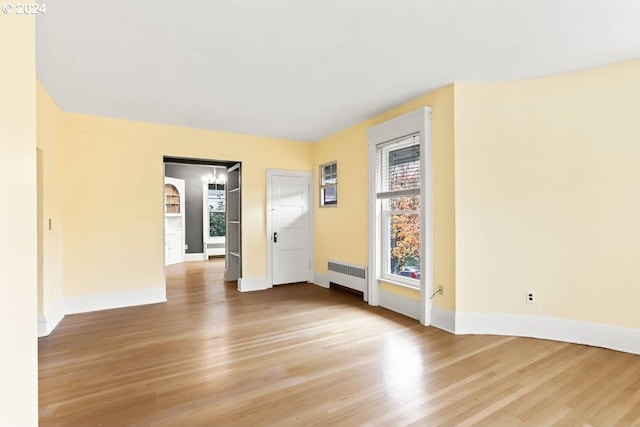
[(304, 69)]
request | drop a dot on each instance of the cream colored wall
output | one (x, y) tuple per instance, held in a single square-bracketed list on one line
[(49, 141), (341, 233), (18, 241), (113, 196), (547, 195)]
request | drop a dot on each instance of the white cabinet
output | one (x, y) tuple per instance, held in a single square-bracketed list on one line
[(174, 229)]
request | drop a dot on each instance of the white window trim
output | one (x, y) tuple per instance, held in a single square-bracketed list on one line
[(418, 121)]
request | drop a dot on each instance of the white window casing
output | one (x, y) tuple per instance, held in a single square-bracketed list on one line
[(392, 134)]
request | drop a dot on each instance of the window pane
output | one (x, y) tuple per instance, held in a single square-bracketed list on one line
[(403, 228), (329, 196), (406, 203), (398, 169), (217, 224), (404, 168), (329, 174), (216, 199)]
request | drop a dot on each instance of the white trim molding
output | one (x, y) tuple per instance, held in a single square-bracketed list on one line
[(444, 319), (107, 301), (194, 257), (249, 284), (321, 280), (614, 337), (47, 322), (417, 121), (399, 304)]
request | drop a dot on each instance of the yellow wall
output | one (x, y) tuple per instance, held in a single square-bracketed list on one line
[(113, 196), (341, 232), (547, 195), (49, 142), (18, 237)]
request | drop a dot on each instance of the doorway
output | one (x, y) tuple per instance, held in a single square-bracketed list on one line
[(196, 174), (289, 227)]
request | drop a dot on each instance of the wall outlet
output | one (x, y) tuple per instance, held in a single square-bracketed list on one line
[(531, 297), (186, 247)]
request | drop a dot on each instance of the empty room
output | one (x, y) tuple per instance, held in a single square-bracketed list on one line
[(327, 213)]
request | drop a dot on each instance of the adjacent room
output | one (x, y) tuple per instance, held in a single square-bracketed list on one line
[(348, 213)]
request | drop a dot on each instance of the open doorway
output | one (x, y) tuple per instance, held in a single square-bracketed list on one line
[(211, 211)]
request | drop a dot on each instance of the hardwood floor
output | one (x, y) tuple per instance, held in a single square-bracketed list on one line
[(302, 355)]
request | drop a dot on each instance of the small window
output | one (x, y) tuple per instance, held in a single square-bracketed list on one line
[(329, 184)]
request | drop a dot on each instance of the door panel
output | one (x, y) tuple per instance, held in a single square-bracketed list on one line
[(290, 225)]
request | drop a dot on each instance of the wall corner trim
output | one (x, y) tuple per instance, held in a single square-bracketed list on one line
[(444, 319), (109, 300), (249, 284), (321, 280), (48, 321), (604, 335)]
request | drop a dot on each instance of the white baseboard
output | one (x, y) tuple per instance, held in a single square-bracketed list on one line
[(402, 305), (194, 257), (444, 319), (321, 280), (248, 284), (106, 301), (574, 331), (47, 322)]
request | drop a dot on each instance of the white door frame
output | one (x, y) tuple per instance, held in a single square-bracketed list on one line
[(296, 174)]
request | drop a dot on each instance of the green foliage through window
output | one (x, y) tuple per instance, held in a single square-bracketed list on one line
[(216, 224)]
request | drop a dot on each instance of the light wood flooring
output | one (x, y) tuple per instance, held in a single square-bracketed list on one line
[(302, 355)]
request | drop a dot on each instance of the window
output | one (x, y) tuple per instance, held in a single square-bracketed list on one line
[(401, 211), (216, 203), (329, 184), (398, 193)]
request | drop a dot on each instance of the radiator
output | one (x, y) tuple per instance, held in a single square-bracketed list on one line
[(215, 248), (348, 275)]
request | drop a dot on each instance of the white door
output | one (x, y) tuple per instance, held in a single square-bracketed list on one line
[(290, 229), (174, 227)]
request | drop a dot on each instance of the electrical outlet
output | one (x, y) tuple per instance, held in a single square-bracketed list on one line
[(531, 297), (186, 247)]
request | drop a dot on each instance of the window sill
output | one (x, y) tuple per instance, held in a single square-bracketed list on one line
[(396, 282)]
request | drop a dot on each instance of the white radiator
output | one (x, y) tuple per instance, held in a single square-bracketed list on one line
[(215, 247), (348, 275)]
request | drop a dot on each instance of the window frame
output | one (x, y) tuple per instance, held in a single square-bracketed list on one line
[(324, 186), (385, 211)]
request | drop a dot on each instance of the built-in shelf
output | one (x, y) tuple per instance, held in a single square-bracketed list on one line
[(171, 199), (233, 260)]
